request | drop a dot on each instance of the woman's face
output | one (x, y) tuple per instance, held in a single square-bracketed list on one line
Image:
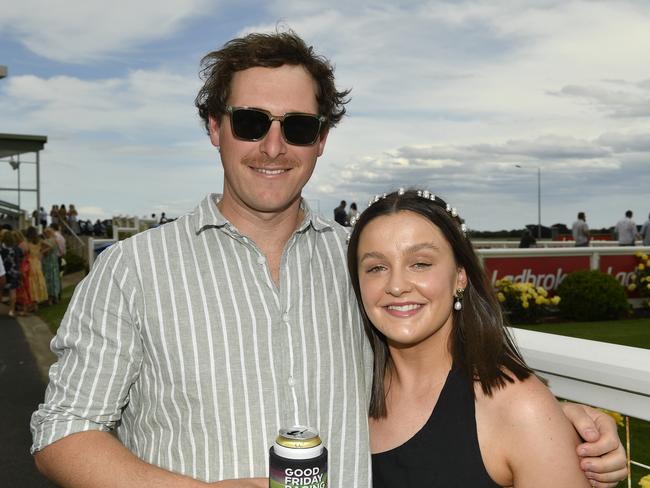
[(408, 277)]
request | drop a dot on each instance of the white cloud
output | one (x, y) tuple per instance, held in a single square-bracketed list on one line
[(77, 32)]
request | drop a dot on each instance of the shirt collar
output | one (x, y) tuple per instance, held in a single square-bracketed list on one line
[(207, 215)]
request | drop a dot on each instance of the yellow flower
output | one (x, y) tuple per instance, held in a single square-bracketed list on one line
[(631, 286), (540, 300), (525, 304), (633, 277), (618, 418), (645, 481), (501, 297), (555, 300), (648, 286), (644, 256), (641, 266)]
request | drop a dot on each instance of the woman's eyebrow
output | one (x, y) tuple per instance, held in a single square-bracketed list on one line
[(371, 254), (419, 247)]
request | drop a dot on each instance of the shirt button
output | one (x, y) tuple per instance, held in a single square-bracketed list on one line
[(291, 381), (261, 259)]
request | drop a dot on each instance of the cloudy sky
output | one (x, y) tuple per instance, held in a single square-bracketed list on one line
[(450, 96)]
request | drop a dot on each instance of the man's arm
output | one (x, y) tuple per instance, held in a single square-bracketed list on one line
[(602, 456), (98, 460)]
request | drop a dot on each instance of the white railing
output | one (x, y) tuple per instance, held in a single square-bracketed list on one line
[(496, 244), (596, 373)]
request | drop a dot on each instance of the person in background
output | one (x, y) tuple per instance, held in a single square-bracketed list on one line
[(72, 219), (11, 258), (580, 231), (38, 288), (196, 341), (60, 242), (527, 239), (24, 302), (63, 219), (352, 214), (626, 232), (340, 216), (50, 264), (43, 215), (645, 232), (54, 215)]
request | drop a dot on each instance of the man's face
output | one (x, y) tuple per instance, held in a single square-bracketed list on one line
[(266, 176)]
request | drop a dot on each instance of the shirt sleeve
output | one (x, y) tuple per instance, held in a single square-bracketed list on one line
[(99, 355)]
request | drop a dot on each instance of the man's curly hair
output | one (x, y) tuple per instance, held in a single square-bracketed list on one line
[(269, 51)]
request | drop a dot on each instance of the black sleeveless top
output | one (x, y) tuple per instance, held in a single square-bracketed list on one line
[(444, 453)]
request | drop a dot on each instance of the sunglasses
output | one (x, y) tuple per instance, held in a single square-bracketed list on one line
[(252, 124)]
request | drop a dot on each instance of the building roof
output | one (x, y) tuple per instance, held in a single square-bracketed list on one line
[(16, 144)]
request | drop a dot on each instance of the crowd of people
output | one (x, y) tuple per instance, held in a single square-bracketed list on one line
[(31, 267)]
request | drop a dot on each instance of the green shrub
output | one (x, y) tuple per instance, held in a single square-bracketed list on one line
[(592, 295), (73, 263)]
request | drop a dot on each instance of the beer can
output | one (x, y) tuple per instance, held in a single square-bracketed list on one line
[(298, 459)]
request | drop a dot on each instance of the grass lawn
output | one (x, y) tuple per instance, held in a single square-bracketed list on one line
[(53, 314), (635, 333)]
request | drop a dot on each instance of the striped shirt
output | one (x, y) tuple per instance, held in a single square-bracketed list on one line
[(180, 340)]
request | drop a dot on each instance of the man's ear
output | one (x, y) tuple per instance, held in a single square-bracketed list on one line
[(213, 127)]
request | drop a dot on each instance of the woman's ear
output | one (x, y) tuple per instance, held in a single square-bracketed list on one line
[(461, 278)]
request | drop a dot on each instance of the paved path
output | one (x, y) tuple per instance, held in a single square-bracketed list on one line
[(21, 390), (24, 361)]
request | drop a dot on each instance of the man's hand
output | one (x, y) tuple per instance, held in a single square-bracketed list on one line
[(602, 456)]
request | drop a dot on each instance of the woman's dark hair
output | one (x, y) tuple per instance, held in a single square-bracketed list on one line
[(479, 343), (269, 51)]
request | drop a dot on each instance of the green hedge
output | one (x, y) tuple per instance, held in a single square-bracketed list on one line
[(592, 295)]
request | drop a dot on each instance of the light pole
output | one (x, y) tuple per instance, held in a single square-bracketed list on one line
[(539, 200)]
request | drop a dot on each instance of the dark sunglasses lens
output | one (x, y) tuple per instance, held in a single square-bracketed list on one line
[(301, 129), (250, 124)]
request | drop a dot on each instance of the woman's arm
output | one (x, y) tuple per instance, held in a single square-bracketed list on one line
[(526, 440)]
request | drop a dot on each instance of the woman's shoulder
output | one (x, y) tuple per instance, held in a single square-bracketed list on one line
[(520, 400), (523, 422)]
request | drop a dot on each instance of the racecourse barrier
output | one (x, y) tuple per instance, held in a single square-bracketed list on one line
[(547, 267), (596, 373)]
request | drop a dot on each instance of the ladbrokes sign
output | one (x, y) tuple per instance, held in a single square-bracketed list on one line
[(549, 271)]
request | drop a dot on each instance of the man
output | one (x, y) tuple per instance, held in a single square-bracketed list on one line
[(580, 231), (645, 232), (197, 340), (340, 215), (626, 230)]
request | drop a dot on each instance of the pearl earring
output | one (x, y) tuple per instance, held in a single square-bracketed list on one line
[(458, 299)]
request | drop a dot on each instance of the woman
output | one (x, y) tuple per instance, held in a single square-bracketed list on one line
[(11, 258), (72, 218), (452, 403), (50, 264), (54, 214), (23, 292), (37, 286)]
